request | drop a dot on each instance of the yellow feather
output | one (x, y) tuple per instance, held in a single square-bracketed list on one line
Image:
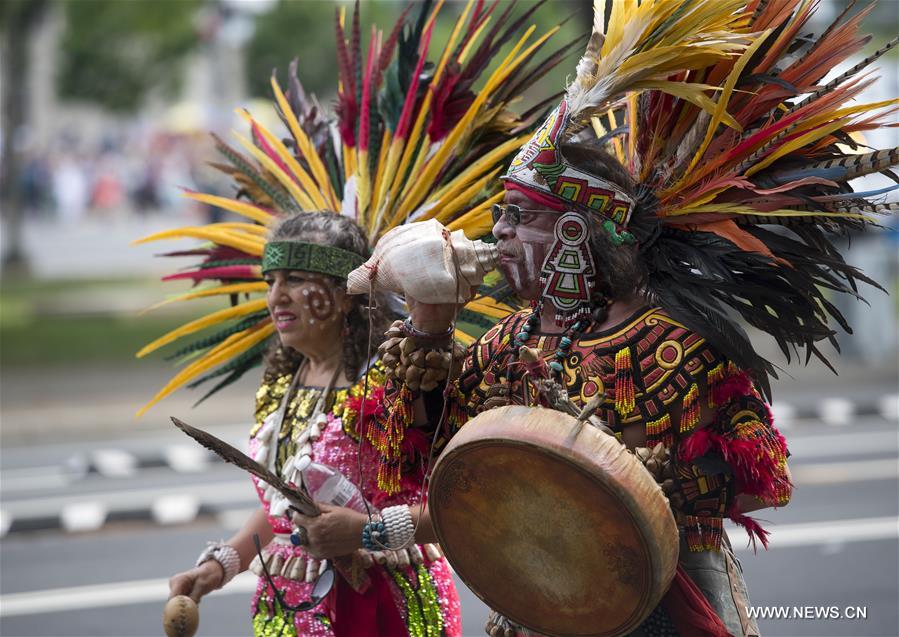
[(233, 205), (243, 309), (477, 168), (436, 163), (796, 144), (363, 187), (232, 288), (250, 338), (478, 221), (490, 308), (312, 189), (446, 210), (721, 107), (306, 149), (292, 187), (379, 185), (616, 141), (246, 244), (468, 47), (415, 135), (463, 338), (249, 228), (737, 209)]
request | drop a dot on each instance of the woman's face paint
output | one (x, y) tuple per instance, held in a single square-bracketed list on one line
[(304, 307)]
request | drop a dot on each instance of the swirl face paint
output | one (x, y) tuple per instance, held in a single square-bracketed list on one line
[(304, 307)]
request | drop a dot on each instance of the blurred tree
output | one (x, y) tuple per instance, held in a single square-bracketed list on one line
[(306, 30), (113, 52), (18, 20)]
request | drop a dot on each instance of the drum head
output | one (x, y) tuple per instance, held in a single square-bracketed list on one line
[(545, 536)]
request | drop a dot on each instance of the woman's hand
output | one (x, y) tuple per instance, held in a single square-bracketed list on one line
[(198, 581), (334, 533)]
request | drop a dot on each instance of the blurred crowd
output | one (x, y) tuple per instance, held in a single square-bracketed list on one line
[(117, 176)]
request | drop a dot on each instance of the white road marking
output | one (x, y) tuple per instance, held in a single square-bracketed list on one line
[(179, 508), (186, 458), (83, 516), (842, 444), (836, 411), (114, 463), (841, 472), (105, 595), (835, 531), (156, 590), (889, 407), (231, 492)]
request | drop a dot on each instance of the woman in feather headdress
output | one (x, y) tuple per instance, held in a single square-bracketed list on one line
[(412, 140), (691, 179)]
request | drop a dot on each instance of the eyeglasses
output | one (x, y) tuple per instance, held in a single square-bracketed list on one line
[(513, 213), (320, 588)]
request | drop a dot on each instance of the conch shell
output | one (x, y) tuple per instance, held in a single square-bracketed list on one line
[(421, 259)]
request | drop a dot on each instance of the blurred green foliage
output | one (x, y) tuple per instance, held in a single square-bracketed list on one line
[(60, 322), (307, 31), (113, 52)]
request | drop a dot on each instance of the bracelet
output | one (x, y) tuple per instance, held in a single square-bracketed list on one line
[(400, 529), (421, 367), (225, 555), (374, 534), (410, 330)]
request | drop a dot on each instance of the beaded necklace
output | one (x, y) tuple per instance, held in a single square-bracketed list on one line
[(500, 394), (564, 349)]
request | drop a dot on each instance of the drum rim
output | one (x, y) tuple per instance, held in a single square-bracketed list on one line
[(446, 460)]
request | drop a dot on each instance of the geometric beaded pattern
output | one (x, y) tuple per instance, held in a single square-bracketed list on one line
[(540, 165), (667, 361), (309, 257)]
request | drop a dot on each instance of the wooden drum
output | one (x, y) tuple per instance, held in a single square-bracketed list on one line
[(562, 531)]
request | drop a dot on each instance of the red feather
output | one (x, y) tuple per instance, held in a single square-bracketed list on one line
[(698, 444), (405, 122), (225, 273), (753, 528), (268, 150)]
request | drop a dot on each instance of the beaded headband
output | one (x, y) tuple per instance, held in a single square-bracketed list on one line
[(540, 166), (310, 257)]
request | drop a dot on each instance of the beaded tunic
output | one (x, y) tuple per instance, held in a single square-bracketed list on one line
[(424, 594), (656, 374)]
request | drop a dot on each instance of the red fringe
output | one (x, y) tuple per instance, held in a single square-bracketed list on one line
[(625, 393), (388, 440), (703, 533), (659, 431), (753, 528), (689, 419)]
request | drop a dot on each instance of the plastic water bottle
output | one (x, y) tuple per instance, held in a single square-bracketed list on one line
[(326, 484)]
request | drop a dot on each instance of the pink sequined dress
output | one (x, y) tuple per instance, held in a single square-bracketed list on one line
[(419, 580)]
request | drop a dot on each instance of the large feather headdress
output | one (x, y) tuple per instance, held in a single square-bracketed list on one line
[(739, 158), (415, 137)]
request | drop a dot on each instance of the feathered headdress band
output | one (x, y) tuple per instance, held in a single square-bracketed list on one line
[(540, 166)]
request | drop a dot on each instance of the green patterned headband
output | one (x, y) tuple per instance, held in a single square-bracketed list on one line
[(310, 257)]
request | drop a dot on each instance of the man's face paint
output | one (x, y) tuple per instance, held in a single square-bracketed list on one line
[(523, 247)]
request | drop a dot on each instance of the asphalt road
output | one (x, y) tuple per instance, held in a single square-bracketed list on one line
[(833, 549)]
